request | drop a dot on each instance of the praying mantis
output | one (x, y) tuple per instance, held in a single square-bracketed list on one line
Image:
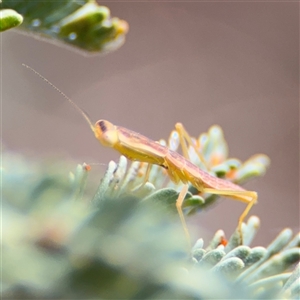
[(178, 167)]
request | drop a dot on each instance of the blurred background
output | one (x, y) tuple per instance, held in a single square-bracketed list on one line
[(199, 63)]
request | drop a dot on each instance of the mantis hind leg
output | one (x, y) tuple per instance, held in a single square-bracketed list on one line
[(248, 197), (179, 203), (185, 139)]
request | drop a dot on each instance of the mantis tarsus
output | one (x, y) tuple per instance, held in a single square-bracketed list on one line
[(179, 168)]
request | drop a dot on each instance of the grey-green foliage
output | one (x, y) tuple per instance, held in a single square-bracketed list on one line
[(59, 243), (82, 24)]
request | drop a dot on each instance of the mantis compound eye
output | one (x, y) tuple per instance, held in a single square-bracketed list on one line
[(101, 124)]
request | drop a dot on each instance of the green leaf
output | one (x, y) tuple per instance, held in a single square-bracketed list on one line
[(82, 24), (9, 19)]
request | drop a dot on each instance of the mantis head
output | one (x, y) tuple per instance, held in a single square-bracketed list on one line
[(106, 133)]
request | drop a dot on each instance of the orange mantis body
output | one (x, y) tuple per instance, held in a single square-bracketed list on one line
[(140, 148)]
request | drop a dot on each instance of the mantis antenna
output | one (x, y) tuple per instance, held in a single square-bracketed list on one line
[(80, 110)]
